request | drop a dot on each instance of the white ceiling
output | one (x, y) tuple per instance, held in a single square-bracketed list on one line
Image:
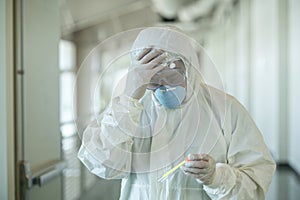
[(117, 15), (79, 14)]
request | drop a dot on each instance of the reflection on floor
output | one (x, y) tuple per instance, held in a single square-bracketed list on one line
[(103, 190), (285, 186)]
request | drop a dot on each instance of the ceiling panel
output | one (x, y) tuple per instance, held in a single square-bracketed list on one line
[(82, 10)]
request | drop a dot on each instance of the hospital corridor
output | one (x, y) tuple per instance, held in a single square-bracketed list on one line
[(149, 99)]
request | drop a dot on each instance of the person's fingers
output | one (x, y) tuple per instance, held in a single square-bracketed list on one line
[(150, 56), (191, 170), (157, 68), (195, 157), (143, 53), (155, 63), (159, 59), (200, 166), (197, 164), (189, 173), (198, 173), (146, 70)]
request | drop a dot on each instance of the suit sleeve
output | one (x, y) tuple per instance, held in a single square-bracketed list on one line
[(107, 143), (250, 167)]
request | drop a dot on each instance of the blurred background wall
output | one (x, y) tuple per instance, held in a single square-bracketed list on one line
[(254, 45)]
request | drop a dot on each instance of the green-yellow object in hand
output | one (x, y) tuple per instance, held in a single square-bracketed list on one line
[(165, 176)]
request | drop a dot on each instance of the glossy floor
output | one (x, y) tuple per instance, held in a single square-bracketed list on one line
[(285, 185)]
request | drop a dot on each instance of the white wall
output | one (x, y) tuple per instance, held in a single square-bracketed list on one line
[(265, 67), (228, 46), (7, 184), (3, 127), (256, 50), (294, 83)]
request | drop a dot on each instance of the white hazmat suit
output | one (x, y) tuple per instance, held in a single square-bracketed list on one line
[(139, 140)]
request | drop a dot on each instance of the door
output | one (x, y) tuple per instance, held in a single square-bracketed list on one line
[(37, 96)]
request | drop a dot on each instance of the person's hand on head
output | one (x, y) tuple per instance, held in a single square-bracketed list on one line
[(146, 64), (200, 166)]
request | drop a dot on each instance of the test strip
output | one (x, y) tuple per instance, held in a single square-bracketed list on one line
[(165, 176)]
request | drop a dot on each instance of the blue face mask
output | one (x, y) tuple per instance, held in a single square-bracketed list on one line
[(170, 97)]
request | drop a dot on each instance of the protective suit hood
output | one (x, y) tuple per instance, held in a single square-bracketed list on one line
[(170, 39)]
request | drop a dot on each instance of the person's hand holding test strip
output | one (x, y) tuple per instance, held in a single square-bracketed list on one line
[(200, 166)]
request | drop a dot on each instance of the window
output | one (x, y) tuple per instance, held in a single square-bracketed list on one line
[(71, 175)]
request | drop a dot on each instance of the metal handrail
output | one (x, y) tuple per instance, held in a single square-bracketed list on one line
[(41, 177)]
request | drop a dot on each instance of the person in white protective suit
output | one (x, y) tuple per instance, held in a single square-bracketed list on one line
[(166, 115)]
